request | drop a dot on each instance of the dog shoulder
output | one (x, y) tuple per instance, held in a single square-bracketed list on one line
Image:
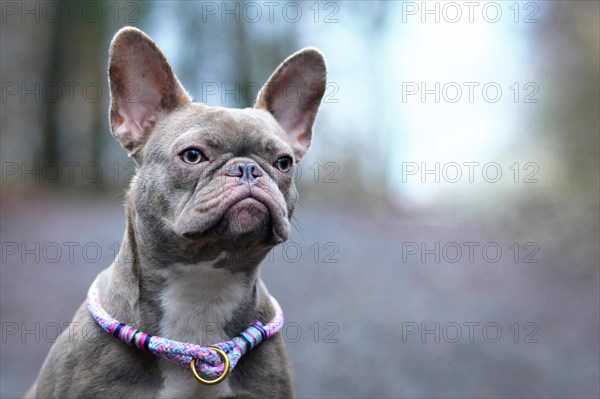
[(265, 371), (87, 362)]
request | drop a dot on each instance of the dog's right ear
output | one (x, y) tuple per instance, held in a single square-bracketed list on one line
[(143, 87)]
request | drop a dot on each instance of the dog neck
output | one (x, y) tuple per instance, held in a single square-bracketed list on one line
[(204, 303)]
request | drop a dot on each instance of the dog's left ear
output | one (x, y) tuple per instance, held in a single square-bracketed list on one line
[(293, 95), (143, 87)]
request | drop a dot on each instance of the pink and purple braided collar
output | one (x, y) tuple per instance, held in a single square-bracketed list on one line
[(208, 361)]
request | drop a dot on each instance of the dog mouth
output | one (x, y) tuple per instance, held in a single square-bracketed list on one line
[(251, 215), (247, 215)]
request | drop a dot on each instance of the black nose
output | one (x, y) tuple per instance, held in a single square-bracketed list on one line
[(248, 172)]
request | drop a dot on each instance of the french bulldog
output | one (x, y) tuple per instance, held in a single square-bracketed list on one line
[(212, 194)]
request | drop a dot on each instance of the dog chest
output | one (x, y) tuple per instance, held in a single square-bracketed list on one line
[(197, 302)]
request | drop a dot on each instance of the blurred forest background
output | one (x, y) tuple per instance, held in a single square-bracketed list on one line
[(63, 176)]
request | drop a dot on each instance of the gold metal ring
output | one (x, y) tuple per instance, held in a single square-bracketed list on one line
[(219, 378)]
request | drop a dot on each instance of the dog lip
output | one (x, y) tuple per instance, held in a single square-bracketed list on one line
[(249, 195), (278, 216), (246, 199), (255, 194)]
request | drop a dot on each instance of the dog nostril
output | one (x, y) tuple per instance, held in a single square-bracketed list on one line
[(246, 171), (241, 169), (254, 170), (236, 170)]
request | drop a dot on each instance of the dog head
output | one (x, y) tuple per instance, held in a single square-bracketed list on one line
[(212, 182)]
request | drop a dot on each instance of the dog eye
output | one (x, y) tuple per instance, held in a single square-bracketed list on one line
[(192, 156), (284, 164)]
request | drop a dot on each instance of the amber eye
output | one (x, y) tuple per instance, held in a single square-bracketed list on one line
[(192, 156), (284, 164)]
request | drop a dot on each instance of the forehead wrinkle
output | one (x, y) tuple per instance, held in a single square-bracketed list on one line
[(192, 131), (260, 122), (232, 130), (248, 124)]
